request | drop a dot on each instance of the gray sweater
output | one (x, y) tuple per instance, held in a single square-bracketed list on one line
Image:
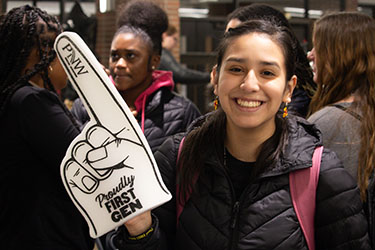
[(341, 133)]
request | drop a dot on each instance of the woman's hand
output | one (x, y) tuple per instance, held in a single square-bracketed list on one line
[(134, 111), (139, 224)]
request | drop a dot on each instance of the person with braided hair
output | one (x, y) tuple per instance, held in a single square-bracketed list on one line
[(35, 130)]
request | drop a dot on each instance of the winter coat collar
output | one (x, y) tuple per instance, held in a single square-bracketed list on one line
[(303, 138), (160, 79)]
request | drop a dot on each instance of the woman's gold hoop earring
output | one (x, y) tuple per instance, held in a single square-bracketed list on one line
[(285, 114), (216, 103)]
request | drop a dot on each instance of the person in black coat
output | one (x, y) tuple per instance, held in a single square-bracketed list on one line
[(232, 174), (181, 74), (36, 130)]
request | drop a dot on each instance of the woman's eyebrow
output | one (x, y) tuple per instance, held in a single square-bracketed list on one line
[(270, 63), (235, 59), (242, 60), (124, 50)]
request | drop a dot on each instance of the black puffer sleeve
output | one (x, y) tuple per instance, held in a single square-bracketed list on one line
[(153, 241), (166, 158), (164, 217), (340, 222), (80, 112), (191, 113)]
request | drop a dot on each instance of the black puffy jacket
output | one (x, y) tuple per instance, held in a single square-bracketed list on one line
[(263, 217), (161, 112)]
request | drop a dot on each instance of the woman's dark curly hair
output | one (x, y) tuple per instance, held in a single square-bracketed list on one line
[(21, 31), (145, 15)]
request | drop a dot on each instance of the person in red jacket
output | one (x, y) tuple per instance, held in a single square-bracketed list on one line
[(134, 58)]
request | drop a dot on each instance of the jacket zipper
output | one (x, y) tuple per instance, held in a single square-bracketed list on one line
[(236, 209), (235, 212), (235, 216), (233, 225)]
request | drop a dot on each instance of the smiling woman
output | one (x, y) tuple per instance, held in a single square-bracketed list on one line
[(305, 86), (252, 86), (231, 174)]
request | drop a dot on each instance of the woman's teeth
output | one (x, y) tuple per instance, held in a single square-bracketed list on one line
[(248, 104)]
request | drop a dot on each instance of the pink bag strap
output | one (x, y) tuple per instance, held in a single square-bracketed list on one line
[(179, 205), (303, 184)]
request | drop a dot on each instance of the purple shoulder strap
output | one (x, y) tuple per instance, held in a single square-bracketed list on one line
[(303, 184)]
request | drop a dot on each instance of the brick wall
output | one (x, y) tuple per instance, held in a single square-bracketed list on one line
[(107, 26), (171, 7)]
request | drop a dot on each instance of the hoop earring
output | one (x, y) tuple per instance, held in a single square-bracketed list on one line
[(285, 114), (216, 103), (50, 68)]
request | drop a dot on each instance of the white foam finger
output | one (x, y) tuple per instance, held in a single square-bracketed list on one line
[(78, 177), (103, 102), (98, 136), (114, 154), (110, 158), (79, 154)]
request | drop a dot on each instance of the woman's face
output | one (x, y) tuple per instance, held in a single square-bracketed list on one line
[(251, 83), (312, 58), (170, 41), (130, 63), (57, 74)]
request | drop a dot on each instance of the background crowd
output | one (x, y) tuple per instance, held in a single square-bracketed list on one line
[(229, 170)]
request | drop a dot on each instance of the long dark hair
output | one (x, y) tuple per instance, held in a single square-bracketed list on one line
[(210, 135), (345, 50), (22, 30), (265, 12)]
